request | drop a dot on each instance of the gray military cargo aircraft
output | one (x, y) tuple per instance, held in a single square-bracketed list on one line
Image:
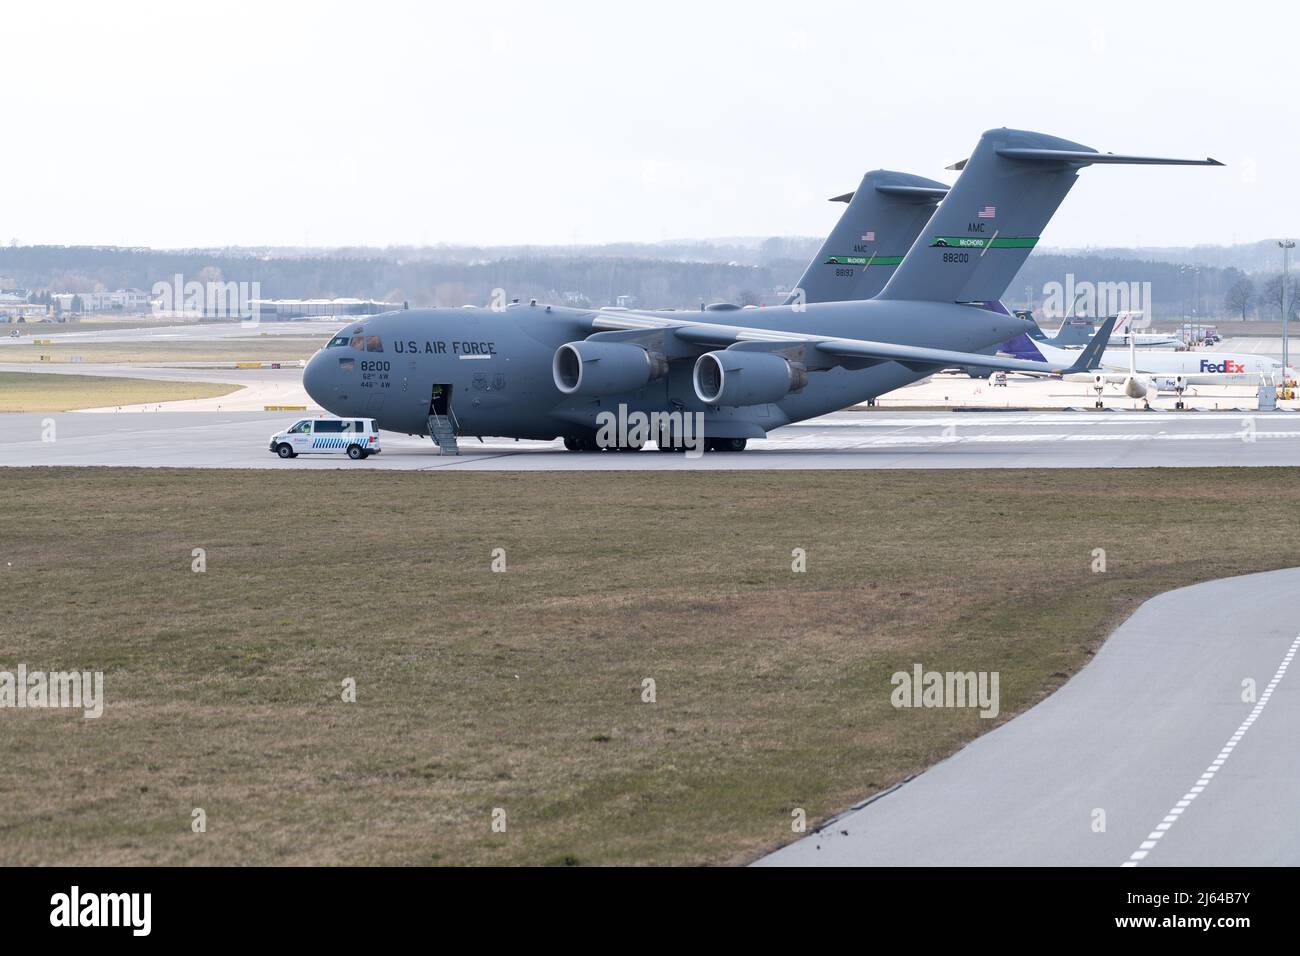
[(543, 371)]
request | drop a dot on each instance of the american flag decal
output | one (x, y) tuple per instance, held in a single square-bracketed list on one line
[(869, 237), (988, 212)]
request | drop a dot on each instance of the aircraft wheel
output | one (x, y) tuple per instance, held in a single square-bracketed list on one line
[(572, 444), (725, 444)]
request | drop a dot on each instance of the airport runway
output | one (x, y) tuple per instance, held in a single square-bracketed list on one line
[(1153, 732), (881, 439)]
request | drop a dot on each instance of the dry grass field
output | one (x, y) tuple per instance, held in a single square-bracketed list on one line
[(278, 348), (33, 392), (523, 690)]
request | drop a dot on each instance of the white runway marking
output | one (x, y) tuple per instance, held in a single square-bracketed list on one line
[(828, 441), (1215, 766)]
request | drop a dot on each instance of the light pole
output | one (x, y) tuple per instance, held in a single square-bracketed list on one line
[(1287, 245)]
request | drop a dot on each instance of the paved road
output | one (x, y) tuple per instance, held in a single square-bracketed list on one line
[(1154, 732), (884, 439)]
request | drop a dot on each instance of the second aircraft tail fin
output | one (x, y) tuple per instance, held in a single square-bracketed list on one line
[(884, 216)]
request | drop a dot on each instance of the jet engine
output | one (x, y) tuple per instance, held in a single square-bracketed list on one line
[(605, 368), (731, 377), (1137, 386)]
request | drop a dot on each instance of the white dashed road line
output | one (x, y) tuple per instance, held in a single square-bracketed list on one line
[(1176, 811)]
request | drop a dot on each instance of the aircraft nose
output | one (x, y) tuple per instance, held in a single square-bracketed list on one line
[(315, 379)]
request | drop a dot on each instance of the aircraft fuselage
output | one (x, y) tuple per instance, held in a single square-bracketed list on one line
[(498, 365)]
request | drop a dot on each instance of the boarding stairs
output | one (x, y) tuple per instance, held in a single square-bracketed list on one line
[(443, 433)]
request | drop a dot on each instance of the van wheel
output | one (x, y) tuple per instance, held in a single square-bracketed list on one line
[(356, 452), (284, 450)]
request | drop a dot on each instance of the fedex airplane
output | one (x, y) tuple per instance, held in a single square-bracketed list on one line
[(1156, 371)]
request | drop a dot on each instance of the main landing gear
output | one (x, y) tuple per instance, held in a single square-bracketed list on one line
[(588, 443), (725, 444), (710, 444)]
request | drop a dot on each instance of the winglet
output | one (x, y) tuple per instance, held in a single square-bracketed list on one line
[(1090, 357)]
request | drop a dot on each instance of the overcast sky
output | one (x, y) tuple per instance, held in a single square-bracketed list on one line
[(377, 123)]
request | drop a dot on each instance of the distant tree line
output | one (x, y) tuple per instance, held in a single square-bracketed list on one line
[(593, 276)]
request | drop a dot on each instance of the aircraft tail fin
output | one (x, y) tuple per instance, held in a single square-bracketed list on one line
[(1073, 332), (1090, 357), (885, 214), (992, 217), (1024, 347)]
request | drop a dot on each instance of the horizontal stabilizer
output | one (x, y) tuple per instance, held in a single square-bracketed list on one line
[(1082, 157), (919, 193), (923, 193)]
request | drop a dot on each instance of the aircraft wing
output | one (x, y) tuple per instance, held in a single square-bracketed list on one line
[(825, 351), (1167, 379)]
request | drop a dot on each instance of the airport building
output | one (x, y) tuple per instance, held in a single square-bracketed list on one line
[(122, 300)]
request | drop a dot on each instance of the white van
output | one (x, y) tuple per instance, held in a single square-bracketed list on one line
[(356, 437)]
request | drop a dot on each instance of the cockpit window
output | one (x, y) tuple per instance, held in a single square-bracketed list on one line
[(337, 341), (359, 342), (374, 344)]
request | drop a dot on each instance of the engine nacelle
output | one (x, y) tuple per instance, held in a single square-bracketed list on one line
[(731, 377), (1135, 386), (605, 368)]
